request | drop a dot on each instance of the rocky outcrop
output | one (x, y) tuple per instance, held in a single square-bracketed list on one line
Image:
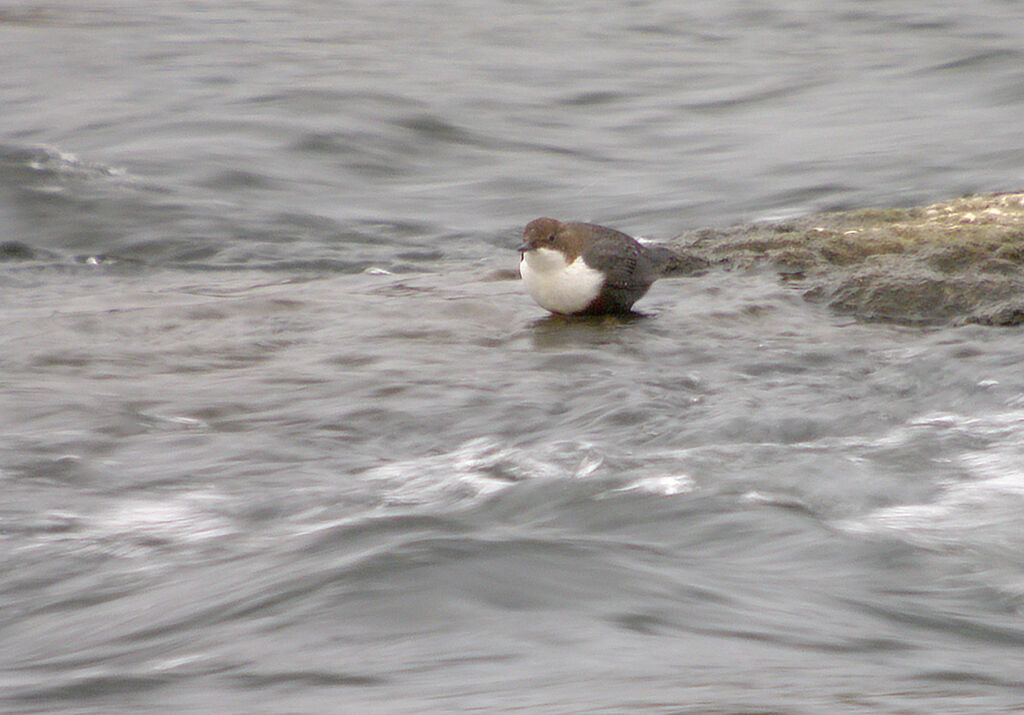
[(954, 262)]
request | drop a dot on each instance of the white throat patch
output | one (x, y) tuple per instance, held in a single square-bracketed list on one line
[(559, 286)]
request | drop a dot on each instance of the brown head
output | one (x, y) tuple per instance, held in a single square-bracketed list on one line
[(552, 233)]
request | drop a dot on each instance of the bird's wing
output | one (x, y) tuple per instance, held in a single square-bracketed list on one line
[(624, 261)]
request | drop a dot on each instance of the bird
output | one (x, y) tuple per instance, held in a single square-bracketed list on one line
[(573, 268)]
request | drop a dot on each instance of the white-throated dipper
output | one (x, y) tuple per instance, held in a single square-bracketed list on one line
[(584, 269)]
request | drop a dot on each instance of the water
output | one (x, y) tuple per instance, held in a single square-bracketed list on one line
[(278, 438)]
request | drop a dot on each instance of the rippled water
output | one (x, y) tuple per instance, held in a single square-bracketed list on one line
[(278, 436)]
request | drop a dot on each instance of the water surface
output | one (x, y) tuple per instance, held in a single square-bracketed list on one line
[(276, 437)]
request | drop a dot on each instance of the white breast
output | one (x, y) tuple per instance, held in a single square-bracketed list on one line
[(556, 285)]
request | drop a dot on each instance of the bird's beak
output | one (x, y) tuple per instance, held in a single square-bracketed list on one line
[(524, 247)]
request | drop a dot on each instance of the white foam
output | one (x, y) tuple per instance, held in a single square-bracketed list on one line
[(989, 490), (477, 469), (667, 485), (134, 527), (55, 159)]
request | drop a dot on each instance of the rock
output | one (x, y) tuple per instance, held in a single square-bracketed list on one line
[(15, 251), (954, 262)]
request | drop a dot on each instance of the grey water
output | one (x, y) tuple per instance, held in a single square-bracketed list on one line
[(276, 435)]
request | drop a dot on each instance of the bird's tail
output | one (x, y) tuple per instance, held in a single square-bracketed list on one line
[(666, 259)]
